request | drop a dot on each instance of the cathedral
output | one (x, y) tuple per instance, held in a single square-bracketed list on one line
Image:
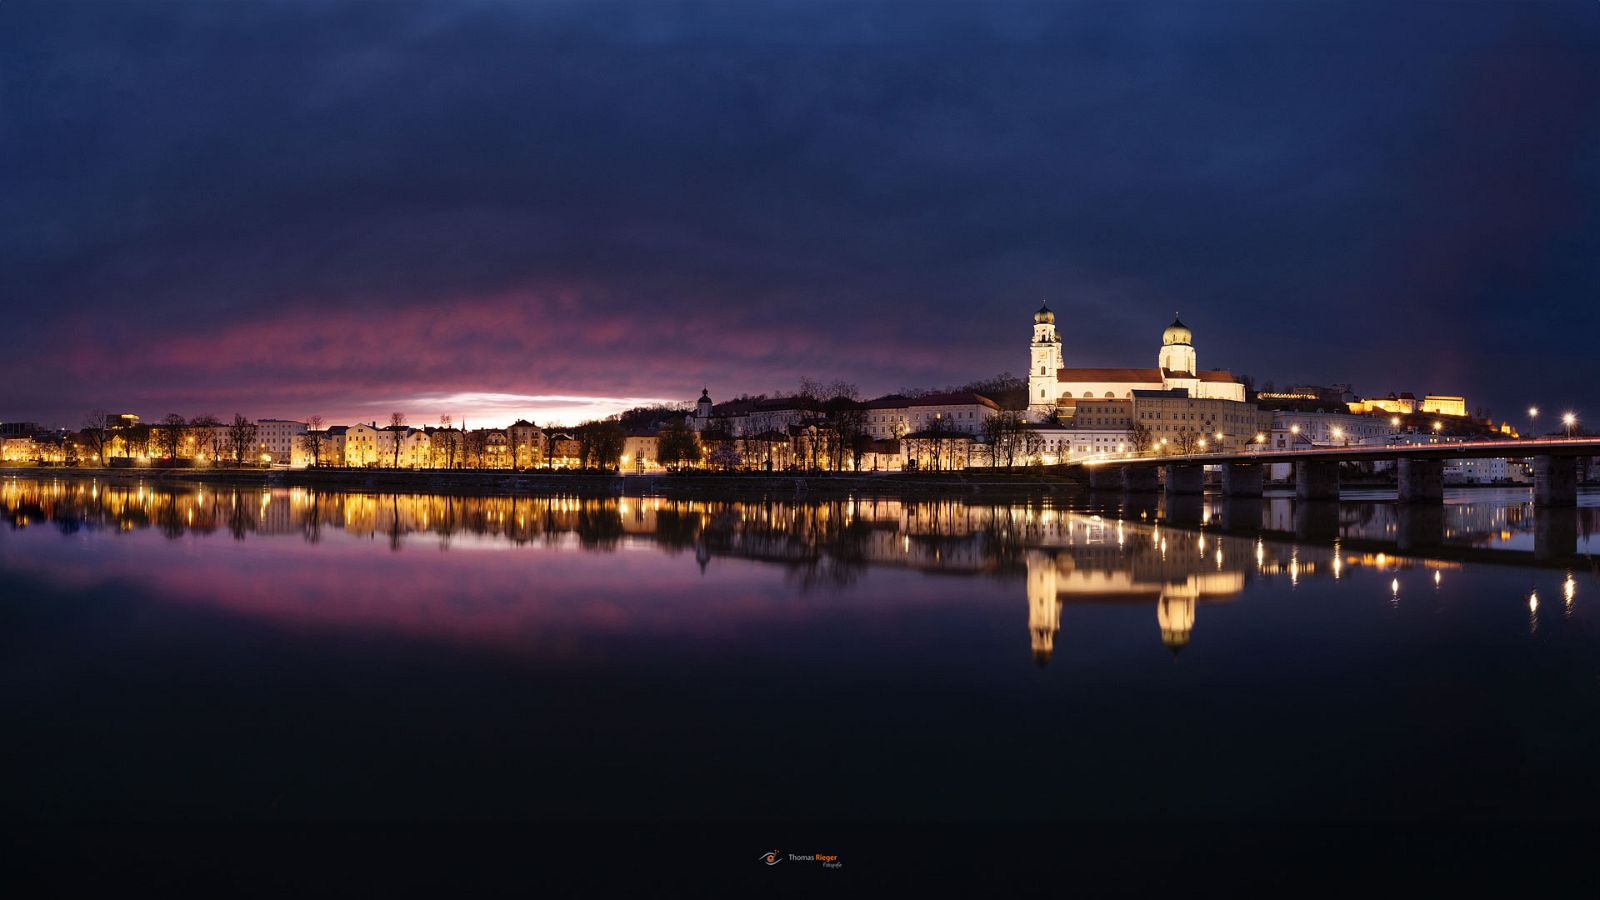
[(1052, 385)]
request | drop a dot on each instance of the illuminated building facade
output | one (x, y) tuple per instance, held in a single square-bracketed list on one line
[(1055, 389)]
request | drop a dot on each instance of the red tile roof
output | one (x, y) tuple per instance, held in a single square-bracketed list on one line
[(960, 398), (1148, 376), (1137, 376)]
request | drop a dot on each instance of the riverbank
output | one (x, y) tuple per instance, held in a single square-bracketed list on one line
[(988, 485)]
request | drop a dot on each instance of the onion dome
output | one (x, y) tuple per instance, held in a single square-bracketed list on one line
[(1044, 316), (1177, 332)]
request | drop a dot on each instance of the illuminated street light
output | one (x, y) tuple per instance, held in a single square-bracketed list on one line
[(1294, 429), (1438, 425), (1569, 420), (1261, 438), (1394, 421)]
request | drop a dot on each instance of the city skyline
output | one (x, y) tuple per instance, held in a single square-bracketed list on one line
[(253, 212)]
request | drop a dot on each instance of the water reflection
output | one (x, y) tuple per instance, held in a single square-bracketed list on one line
[(1175, 557)]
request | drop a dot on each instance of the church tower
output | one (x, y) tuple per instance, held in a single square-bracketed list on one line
[(1044, 606), (1043, 363), (1177, 349), (702, 411), (1175, 616)]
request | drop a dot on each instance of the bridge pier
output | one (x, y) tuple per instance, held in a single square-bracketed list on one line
[(1555, 533), (1241, 513), (1242, 479), (1105, 478), (1316, 479), (1421, 480), (1316, 520), (1184, 510), (1419, 525), (1555, 481), (1139, 480), (1183, 479)]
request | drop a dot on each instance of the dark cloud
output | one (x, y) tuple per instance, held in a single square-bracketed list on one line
[(288, 208)]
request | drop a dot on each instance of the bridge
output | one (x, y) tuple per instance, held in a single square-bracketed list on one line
[(1420, 468)]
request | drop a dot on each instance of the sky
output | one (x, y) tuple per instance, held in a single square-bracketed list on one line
[(557, 210)]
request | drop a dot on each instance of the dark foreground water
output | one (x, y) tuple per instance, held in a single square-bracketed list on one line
[(182, 657)]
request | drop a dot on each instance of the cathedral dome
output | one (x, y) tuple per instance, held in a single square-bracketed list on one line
[(1044, 316), (1177, 333)]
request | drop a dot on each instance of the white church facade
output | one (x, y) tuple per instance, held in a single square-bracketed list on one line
[(1054, 387)]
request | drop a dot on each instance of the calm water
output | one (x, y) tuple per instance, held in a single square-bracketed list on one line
[(282, 656)]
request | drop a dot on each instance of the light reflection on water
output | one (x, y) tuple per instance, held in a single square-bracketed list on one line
[(928, 639), (1174, 556)]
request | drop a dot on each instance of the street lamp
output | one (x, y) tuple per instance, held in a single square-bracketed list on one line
[(1202, 443), (1533, 413), (1569, 420), (1437, 426), (1394, 421)]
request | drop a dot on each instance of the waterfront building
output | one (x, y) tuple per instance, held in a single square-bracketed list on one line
[(885, 417), (361, 445), (641, 451), (489, 448), (1486, 471), (935, 450), (564, 451), (527, 444), (279, 442), (333, 445), (1332, 429), (894, 416), (1055, 444), (1174, 422), (18, 449), (752, 416), (1052, 385)]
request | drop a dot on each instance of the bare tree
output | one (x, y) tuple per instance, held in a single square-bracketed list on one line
[(445, 438), (397, 424), (1030, 441), (97, 434), (677, 445), (169, 435), (1004, 431), (209, 431), (313, 438), (1186, 441), (475, 445), (1139, 436), (241, 438)]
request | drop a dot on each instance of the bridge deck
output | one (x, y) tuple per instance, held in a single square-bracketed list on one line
[(1507, 449)]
